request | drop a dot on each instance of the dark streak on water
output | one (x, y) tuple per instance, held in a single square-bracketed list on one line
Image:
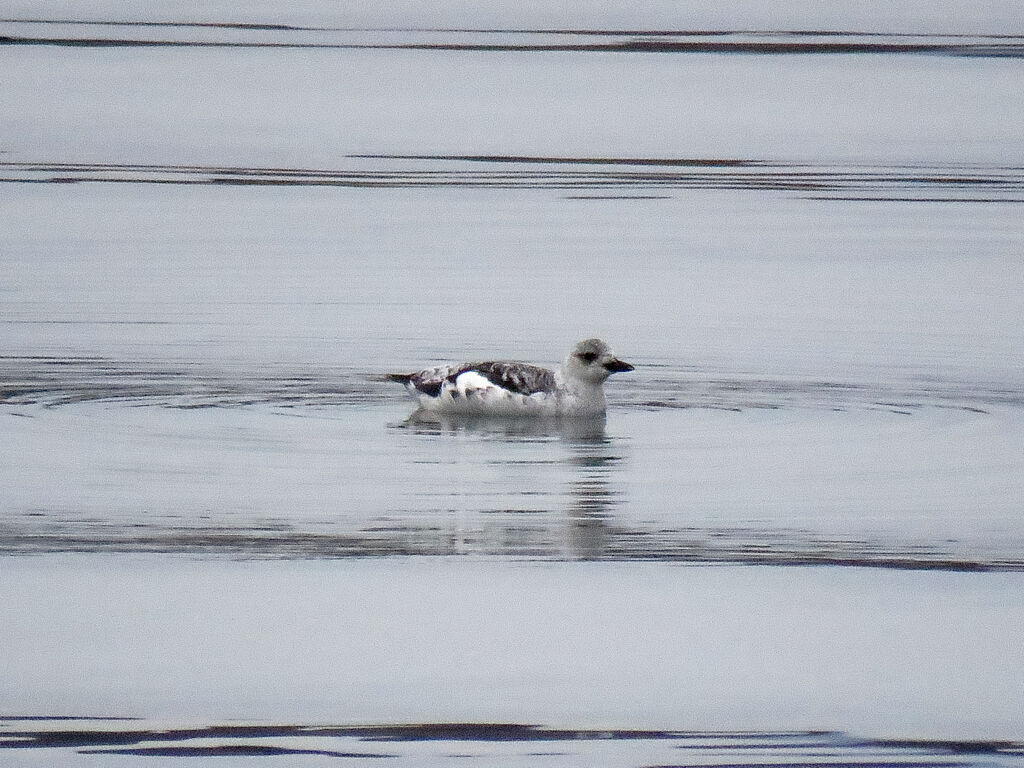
[(808, 749), (98, 34), (231, 750), (848, 182), (690, 546)]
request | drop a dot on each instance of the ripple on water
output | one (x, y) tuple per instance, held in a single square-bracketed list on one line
[(686, 749)]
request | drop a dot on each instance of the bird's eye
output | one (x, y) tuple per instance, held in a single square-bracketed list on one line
[(588, 357)]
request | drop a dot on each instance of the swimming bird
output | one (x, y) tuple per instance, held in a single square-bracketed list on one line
[(512, 389)]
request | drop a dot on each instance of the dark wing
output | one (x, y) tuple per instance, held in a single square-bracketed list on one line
[(516, 377), (520, 378), (430, 381)]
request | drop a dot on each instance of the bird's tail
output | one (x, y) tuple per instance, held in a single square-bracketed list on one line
[(401, 378)]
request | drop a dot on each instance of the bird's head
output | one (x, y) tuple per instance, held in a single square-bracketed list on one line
[(593, 361)]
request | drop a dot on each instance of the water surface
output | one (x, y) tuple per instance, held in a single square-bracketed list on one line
[(223, 228)]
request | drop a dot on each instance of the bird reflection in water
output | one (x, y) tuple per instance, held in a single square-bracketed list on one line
[(589, 458), (592, 496)]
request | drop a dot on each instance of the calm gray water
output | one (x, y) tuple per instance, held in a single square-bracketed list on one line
[(222, 230)]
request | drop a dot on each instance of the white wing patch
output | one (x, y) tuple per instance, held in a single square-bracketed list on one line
[(471, 384), (471, 392)]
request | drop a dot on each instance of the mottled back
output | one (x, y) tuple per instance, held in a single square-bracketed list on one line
[(520, 378)]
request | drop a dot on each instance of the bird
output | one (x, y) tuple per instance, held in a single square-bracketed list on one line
[(514, 389)]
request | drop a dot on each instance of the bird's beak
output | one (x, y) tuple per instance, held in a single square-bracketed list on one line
[(617, 366)]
